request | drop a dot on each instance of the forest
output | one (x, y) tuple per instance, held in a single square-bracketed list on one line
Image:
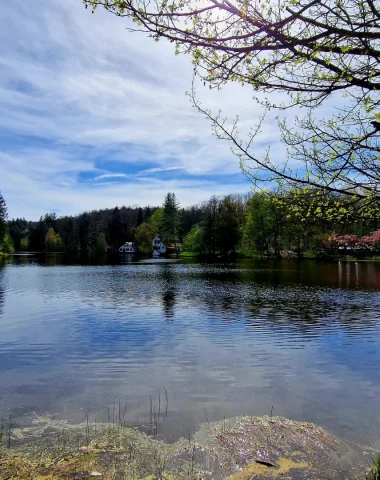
[(269, 224)]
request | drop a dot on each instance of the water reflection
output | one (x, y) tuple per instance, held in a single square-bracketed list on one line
[(2, 284), (169, 290), (234, 339)]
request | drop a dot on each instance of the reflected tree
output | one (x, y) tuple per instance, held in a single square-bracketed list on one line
[(169, 291)]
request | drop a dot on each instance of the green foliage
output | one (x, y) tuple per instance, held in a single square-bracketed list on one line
[(3, 218), (170, 220), (222, 224), (144, 235), (210, 227), (116, 229), (24, 244), (59, 245), (53, 241), (50, 240), (6, 246), (156, 219), (299, 220), (84, 233), (79, 233), (230, 218), (193, 241), (101, 244), (374, 472), (263, 228)]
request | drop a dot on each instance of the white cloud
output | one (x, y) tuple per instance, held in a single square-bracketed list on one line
[(111, 175), (73, 84)]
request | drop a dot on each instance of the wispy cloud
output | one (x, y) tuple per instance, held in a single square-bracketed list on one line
[(82, 100), (111, 175)]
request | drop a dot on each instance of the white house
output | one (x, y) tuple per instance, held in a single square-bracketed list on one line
[(158, 247), (128, 247)]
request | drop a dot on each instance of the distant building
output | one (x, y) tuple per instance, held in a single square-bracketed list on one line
[(158, 247), (128, 247)]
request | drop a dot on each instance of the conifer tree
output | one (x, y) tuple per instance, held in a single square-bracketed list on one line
[(3, 218), (170, 220)]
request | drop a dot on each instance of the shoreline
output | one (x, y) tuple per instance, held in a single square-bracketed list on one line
[(240, 448), (334, 257)]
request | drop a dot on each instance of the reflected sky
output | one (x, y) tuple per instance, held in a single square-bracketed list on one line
[(233, 339)]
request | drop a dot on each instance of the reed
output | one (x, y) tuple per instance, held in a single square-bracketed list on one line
[(1, 436), (374, 472)]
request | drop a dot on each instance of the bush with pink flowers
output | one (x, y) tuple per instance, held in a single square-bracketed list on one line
[(371, 242)]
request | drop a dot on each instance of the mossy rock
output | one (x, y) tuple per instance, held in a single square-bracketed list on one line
[(240, 449), (275, 447), (12, 468)]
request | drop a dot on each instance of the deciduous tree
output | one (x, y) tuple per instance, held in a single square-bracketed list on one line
[(194, 241), (51, 240), (24, 243), (6, 246), (311, 50), (144, 235)]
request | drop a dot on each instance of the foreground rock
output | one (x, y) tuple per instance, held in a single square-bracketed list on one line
[(241, 449), (275, 447)]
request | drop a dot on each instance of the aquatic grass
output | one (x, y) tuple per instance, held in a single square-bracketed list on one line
[(120, 452), (157, 417), (6, 434), (9, 431), (1, 436), (374, 471)]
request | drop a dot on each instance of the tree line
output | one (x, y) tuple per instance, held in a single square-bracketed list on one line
[(87, 233), (268, 224), (273, 224)]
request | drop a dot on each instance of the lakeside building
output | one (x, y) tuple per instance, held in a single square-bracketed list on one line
[(128, 247)]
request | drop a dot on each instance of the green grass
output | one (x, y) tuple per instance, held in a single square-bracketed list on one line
[(374, 472)]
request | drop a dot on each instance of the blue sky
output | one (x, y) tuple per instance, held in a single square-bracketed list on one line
[(92, 116)]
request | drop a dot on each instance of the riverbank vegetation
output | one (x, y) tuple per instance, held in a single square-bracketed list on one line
[(6, 243), (236, 449), (272, 224)]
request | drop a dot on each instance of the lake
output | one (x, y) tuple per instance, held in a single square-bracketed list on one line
[(195, 342)]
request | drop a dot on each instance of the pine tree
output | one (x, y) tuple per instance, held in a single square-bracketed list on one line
[(170, 220), (84, 228), (116, 236), (3, 218)]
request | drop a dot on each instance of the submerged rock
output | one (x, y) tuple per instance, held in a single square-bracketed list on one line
[(240, 449), (275, 447)]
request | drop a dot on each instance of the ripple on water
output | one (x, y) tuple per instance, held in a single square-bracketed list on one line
[(234, 339)]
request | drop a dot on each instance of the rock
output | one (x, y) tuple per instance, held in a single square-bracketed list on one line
[(275, 447)]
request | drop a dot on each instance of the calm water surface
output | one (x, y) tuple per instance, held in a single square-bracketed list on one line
[(226, 339)]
